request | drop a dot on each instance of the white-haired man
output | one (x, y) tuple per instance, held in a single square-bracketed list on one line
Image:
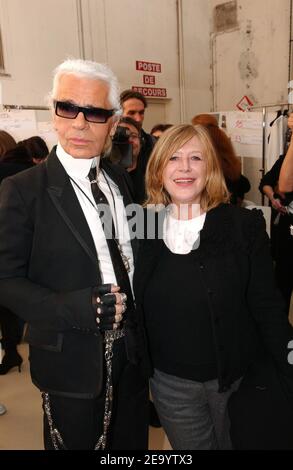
[(66, 269)]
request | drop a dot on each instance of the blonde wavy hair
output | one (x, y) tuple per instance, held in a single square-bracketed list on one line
[(215, 190)]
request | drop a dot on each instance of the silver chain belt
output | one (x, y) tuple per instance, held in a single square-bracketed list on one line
[(57, 441)]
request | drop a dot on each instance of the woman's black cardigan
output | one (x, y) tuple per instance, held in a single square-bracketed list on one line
[(244, 303)]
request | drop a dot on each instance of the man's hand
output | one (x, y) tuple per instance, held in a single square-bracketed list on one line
[(111, 306)]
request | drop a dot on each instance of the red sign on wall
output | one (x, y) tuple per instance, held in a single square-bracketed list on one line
[(149, 79), (151, 92), (244, 104), (143, 66)]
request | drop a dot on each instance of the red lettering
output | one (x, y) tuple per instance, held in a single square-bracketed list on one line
[(148, 66), (151, 92), (149, 80)]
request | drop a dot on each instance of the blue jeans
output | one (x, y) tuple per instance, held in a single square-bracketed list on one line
[(193, 414)]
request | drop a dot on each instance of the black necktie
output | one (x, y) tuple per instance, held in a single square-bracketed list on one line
[(109, 229)]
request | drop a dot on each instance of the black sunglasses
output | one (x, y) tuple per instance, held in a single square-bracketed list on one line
[(68, 110)]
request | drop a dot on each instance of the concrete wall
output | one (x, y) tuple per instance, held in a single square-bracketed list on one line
[(253, 59)]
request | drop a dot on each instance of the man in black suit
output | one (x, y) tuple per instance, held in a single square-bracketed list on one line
[(61, 271)]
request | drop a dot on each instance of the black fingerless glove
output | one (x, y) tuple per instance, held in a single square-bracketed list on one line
[(105, 308)]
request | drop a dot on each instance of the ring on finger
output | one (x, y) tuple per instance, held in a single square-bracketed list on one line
[(123, 297)]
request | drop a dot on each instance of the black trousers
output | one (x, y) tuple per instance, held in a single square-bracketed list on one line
[(80, 421), (284, 258)]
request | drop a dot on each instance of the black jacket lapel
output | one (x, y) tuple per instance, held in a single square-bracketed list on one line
[(64, 198)]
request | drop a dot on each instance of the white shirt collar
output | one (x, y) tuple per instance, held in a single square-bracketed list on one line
[(180, 235), (76, 167)]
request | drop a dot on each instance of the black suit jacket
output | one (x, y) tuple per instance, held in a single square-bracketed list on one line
[(48, 268)]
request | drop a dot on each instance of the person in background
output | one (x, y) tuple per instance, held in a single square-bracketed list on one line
[(205, 289), (15, 160), (133, 138), (66, 267), (281, 238), (286, 173), (11, 325), (125, 149), (158, 129), (17, 157), (7, 142), (134, 105), (237, 183), (36, 147)]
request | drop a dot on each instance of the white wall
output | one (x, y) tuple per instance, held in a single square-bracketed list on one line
[(252, 60), (197, 57), (141, 30), (37, 35)]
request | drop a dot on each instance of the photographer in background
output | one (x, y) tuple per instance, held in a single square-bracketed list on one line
[(126, 146), (133, 106), (126, 143)]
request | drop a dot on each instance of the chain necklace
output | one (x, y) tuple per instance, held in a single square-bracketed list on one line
[(125, 259)]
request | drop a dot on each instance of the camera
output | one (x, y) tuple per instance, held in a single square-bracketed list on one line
[(121, 148), (121, 135)]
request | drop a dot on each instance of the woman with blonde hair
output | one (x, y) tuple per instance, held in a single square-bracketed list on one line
[(203, 291)]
